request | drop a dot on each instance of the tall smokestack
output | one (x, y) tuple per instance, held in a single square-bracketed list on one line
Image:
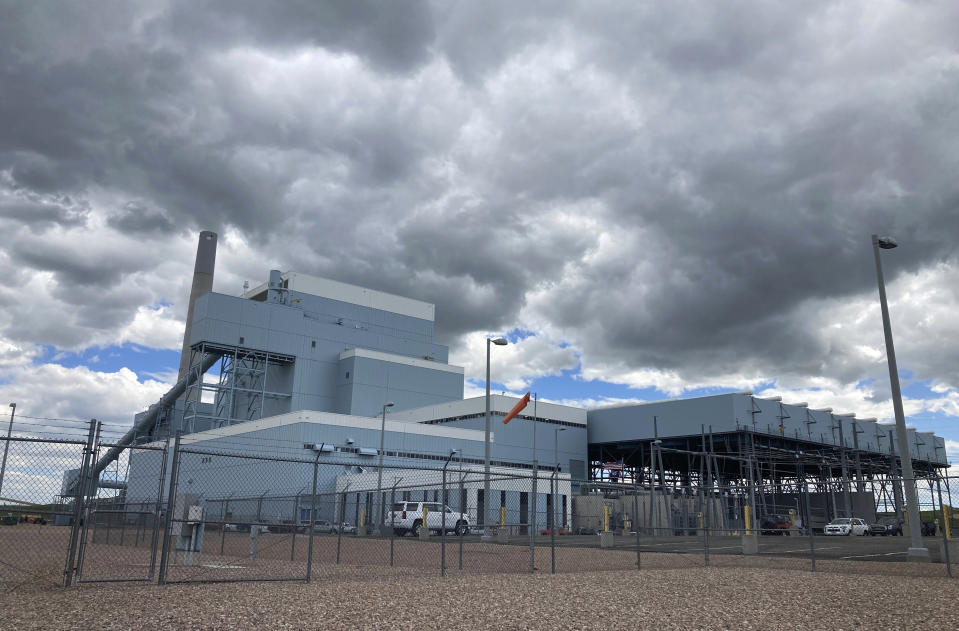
[(202, 284)]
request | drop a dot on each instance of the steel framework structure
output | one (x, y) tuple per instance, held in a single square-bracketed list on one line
[(763, 469), (240, 390)]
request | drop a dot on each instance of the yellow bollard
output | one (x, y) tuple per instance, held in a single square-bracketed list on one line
[(502, 516), (362, 523), (424, 518), (701, 524), (748, 517), (948, 522), (606, 518)]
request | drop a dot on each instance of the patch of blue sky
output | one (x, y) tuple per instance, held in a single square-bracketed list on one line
[(918, 390), (147, 363), (515, 335), (567, 386), (939, 422)]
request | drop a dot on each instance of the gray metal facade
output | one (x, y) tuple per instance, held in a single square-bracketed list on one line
[(730, 413)]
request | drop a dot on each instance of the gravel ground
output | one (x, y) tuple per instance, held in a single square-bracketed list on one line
[(688, 598), (671, 591)]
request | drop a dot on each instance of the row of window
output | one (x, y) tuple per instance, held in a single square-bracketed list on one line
[(441, 458), (539, 419)]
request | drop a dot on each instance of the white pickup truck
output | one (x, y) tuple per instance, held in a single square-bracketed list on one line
[(407, 517)]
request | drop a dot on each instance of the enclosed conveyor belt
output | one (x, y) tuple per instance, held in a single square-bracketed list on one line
[(147, 422)]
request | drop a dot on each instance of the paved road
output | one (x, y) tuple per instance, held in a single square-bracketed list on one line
[(844, 548), (847, 548)]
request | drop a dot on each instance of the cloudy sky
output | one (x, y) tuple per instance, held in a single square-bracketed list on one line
[(650, 199)]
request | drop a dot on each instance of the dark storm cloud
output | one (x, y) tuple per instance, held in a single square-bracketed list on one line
[(667, 185), (138, 218), (391, 35), (42, 215)]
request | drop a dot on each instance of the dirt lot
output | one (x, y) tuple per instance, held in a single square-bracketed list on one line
[(688, 598)]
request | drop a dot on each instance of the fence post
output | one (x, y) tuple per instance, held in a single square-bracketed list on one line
[(945, 528), (296, 511), (168, 518), (339, 526), (155, 535), (80, 486), (805, 493), (463, 509), (552, 531), (531, 521), (393, 518), (91, 493), (443, 522), (223, 506), (309, 545), (706, 521), (636, 520)]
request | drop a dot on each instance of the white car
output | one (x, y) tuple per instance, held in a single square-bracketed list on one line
[(847, 526), (346, 528), (407, 517)]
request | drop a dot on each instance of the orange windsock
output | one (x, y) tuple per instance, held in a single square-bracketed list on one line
[(516, 409)]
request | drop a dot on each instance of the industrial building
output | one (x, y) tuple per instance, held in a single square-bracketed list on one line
[(302, 366)]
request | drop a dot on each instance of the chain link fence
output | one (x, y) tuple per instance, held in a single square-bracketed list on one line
[(175, 514)]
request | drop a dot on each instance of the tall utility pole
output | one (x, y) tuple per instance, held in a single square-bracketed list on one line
[(916, 551), (499, 341), (380, 513)]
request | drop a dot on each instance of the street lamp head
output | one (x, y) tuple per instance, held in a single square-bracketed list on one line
[(499, 341), (13, 405), (388, 405), (886, 243), (560, 429)]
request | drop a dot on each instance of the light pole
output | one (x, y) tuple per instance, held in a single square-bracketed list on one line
[(556, 471), (499, 341), (916, 551), (379, 473), (6, 445), (532, 520)]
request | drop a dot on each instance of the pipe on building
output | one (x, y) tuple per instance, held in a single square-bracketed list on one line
[(147, 422)]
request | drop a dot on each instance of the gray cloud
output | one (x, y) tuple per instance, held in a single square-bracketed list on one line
[(673, 187)]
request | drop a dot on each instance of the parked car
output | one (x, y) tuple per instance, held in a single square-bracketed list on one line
[(322, 525), (345, 527), (775, 524), (886, 526), (846, 526), (407, 517)]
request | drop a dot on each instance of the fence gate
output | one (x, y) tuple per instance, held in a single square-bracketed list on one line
[(121, 526)]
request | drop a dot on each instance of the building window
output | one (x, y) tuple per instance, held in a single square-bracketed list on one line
[(347, 374), (313, 344), (242, 340)]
